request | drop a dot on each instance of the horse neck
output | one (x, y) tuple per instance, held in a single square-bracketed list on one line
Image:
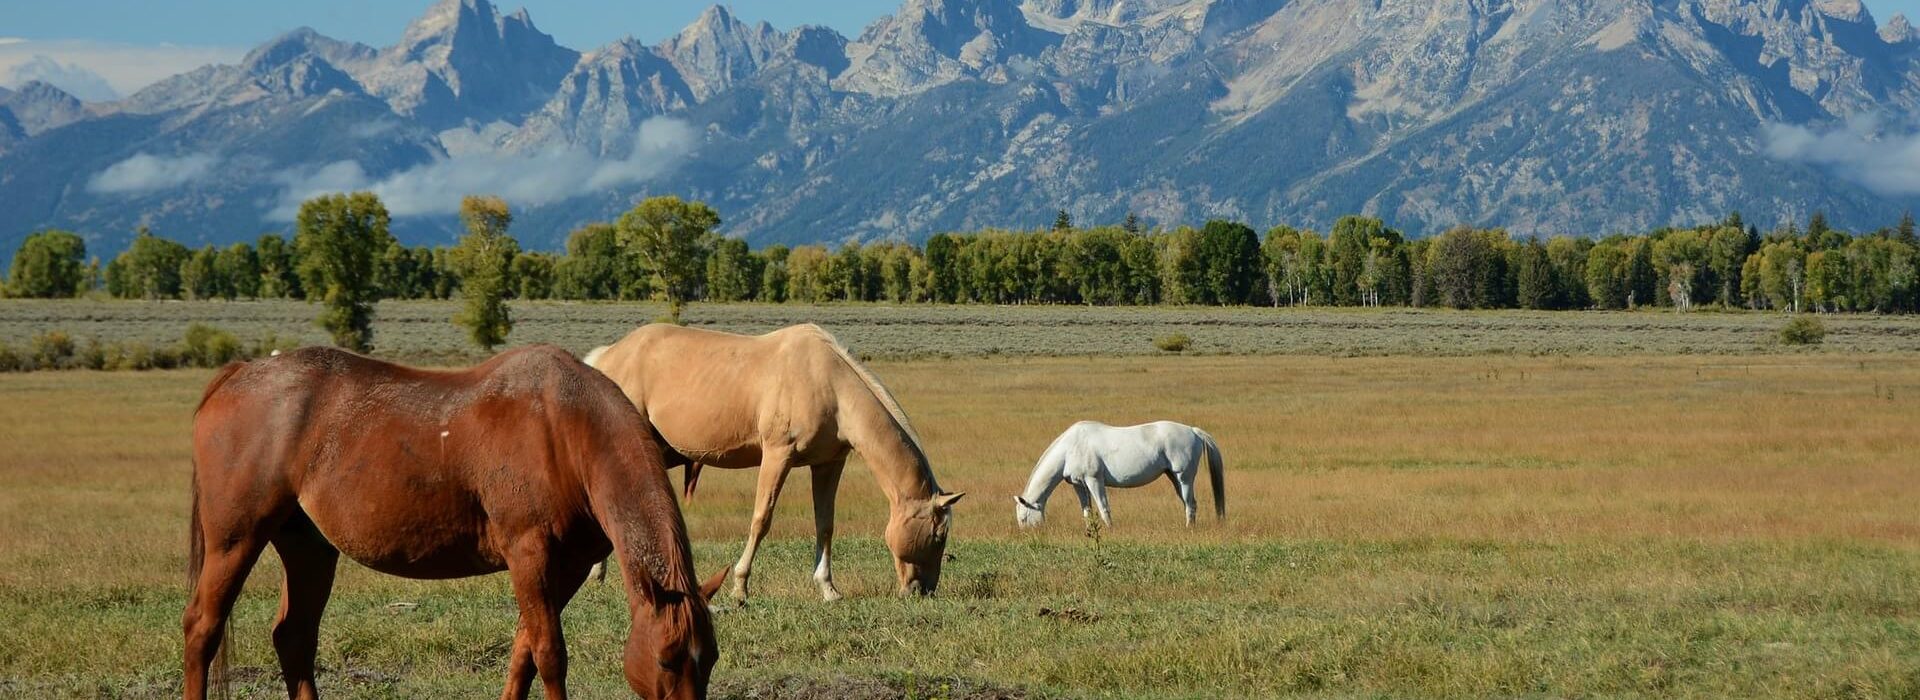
[(897, 462), (643, 523), (1046, 476)]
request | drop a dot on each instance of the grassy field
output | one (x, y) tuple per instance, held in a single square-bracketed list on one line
[(1637, 526), (420, 330)]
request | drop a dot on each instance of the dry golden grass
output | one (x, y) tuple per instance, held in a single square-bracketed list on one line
[(1652, 526)]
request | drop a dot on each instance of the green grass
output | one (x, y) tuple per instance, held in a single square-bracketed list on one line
[(1486, 526)]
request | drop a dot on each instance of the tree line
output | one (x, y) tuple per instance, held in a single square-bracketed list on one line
[(342, 254)]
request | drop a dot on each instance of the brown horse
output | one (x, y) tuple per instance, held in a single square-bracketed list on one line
[(531, 463), (790, 398)]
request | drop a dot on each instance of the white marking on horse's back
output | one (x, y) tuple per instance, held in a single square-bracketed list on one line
[(593, 356)]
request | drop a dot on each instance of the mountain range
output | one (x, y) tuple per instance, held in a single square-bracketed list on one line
[(1541, 116)]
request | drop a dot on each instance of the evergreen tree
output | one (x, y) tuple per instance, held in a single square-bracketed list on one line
[(1533, 277), (484, 261), (1063, 221), (1641, 278), (1905, 230), (1132, 224), (1228, 255), (773, 274), (730, 273)]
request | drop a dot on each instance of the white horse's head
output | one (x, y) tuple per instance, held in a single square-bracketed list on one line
[(1026, 513)]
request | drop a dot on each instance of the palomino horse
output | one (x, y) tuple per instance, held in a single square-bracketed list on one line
[(1092, 456), (532, 463), (787, 399)]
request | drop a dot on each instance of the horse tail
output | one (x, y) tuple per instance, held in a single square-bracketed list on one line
[(692, 480), (1217, 471), (593, 356), (196, 560)]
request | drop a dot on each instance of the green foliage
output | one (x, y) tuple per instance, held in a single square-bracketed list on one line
[(199, 277), (1228, 256), (278, 279), (1175, 342), (206, 346), (337, 241), (668, 246), (238, 268), (148, 269), (1803, 330), (665, 234), (49, 264), (484, 261)]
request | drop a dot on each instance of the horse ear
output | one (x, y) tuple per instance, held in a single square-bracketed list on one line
[(712, 585), (946, 500)]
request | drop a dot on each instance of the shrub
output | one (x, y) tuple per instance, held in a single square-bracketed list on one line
[(1803, 330), (207, 346), (10, 361), (52, 350), (95, 355), (271, 345), (1177, 342)]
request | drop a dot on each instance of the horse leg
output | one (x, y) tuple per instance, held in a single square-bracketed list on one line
[(223, 570), (1097, 490), (309, 562), (826, 485), (542, 591), (773, 476), (1086, 502), (1183, 485)]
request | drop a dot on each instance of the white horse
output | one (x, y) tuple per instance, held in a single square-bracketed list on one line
[(1093, 456)]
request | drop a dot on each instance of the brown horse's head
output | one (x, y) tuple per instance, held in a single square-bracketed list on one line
[(670, 649), (917, 534)]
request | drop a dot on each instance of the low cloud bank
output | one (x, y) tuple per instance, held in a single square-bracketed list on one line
[(1863, 150), (147, 173), (524, 180)]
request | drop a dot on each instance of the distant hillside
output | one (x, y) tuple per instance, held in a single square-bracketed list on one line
[(1543, 116)]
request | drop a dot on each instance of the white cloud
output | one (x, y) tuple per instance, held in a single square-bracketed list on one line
[(524, 180), (71, 77), (1862, 151), (146, 173), (125, 67)]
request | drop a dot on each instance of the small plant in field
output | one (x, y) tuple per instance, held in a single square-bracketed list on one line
[(52, 350), (207, 346), (1176, 342), (10, 362), (1803, 330), (94, 356)]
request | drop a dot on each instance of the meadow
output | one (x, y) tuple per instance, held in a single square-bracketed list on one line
[(1627, 523), (422, 331)]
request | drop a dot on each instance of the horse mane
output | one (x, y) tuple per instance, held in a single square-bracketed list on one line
[(878, 389)]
